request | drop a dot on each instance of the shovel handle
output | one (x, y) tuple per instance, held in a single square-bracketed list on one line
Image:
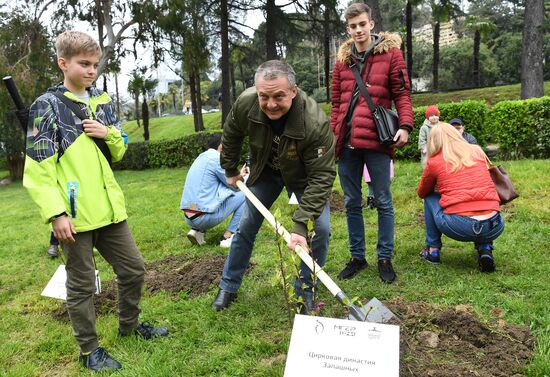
[(302, 251)]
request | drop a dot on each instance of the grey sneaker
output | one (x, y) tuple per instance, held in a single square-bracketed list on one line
[(53, 251), (99, 360)]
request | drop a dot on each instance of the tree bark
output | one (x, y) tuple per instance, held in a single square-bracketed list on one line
[(409, 47), (326, 48), (270, 30), (376, 15), (226, 95), (233, 83), (532, 54), (145, 115), (16, 164), (117, 97), (136, 104), (476, 68), (435, 63)]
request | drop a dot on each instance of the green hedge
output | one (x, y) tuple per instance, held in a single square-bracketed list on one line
[(472, 113), (166, 153), (520, 128)]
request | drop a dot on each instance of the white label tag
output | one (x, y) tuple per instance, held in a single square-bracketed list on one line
[(328, 347), (56, 286)]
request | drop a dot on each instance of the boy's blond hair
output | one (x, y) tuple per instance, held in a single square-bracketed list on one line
[(456, 151), (72, 42)]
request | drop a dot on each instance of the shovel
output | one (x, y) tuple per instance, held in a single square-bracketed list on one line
[(374, 311)]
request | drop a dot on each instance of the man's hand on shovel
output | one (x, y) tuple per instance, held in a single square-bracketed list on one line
[(296, 239), (232, 181)]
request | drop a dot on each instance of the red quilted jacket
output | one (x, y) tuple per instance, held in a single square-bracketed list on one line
[(467, 189), (387, 81)]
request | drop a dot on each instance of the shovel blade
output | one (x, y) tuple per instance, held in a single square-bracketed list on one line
[(374, 311)]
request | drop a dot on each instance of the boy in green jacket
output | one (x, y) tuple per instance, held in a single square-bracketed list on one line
[(70, 179)]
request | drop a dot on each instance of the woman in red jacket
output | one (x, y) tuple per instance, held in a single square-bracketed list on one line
[(465, 206)]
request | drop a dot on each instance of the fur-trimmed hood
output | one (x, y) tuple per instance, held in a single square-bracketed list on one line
[(386, 41)]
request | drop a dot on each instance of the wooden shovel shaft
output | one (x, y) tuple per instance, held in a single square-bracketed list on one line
[(302, 252)]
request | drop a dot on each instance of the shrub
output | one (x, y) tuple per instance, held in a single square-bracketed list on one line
[(167, 153), (472, 113), (521, 128)]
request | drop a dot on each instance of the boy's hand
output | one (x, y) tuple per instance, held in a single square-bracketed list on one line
[(63, 229), (93, 128)]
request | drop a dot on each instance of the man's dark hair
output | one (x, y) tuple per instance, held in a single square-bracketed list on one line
[(357, 9), (214, 141)]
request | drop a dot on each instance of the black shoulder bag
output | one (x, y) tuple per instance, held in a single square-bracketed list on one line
[(386, 121), (80, 114)]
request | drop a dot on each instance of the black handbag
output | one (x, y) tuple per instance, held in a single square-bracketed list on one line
[(386, 120)]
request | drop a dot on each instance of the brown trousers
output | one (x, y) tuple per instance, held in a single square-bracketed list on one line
[(116, 244)]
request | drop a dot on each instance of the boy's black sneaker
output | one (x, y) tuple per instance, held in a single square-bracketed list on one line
[(99, 360), (146, 331), (386, 271), (353, 267)]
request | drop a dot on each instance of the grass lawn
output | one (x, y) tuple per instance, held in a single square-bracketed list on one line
[(491, 95), (171, 127), (251, 338)]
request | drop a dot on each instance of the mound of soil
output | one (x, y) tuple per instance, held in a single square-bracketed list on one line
[(181, 272), (451, 341), (104, 303), (336, 202), (174, 274)]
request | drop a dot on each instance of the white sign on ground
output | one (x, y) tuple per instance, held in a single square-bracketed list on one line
[(337, 347), (56, 286)]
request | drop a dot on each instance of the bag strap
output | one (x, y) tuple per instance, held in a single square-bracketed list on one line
[(362, 88), (80, 114), (488, 162)]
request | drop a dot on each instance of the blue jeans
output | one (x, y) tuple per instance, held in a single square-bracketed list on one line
[(350, 171), (460, 228), (234, 204), (267, 189)]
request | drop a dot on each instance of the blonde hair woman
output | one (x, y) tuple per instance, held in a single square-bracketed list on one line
[(465, 206)]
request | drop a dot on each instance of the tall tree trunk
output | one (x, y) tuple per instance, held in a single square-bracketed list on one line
[(532, 54), (376, 15), (226, 95), (145, 115), (174, 101), (105, 83), (409, 48), (477, 73), (199, 98), (326, 48), (193, 94), (16, 164), (117, 97), (270, 30), (233, 83), (196, 105), (435, 63), (136, 104)]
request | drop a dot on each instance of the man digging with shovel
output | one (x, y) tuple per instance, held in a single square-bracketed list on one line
[(292, 146)]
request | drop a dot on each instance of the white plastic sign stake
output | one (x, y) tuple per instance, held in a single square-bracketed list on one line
[(56, 286), (328, 347)]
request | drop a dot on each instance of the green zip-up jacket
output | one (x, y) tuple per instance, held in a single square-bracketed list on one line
[(65, 171), (306, 150)]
